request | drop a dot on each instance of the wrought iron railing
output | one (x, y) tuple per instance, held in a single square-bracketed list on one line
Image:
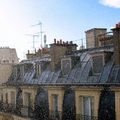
[(58, 116), (25, 111), (85, 117), (55, 115)]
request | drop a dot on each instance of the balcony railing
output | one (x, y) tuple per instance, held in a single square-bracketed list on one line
[(24, 111), (85, 117), (55, 115)]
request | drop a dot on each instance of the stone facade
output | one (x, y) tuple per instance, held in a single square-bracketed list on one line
[(92, 37), (90, 90), (8, 58)]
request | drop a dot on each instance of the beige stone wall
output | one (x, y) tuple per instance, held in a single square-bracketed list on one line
[(9, 91), (8, 55), (79, 91), (28, 90), (5, 72), (87, 92), (117, 104), (60, 93), (5, 116), (57, 52), (90, 40), (91, 37)]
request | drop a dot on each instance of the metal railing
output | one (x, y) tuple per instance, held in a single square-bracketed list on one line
[(85, 117), (55, 115), (25, 111)]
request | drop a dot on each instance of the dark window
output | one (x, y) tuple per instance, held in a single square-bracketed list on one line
[(66, 66), (97, 64)]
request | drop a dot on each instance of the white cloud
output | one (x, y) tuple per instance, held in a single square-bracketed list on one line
[(111, 3)]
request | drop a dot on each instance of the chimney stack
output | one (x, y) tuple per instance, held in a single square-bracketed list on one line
[(116, 37), (60, 41), (54, 41)]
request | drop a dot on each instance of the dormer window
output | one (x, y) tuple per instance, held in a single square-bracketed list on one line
[(97, 64), (98, 61), (38, 69), (66, 65)]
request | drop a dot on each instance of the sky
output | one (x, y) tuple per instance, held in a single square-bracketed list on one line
[(61, 19)]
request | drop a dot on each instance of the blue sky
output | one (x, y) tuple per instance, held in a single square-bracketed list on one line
[(61, 19)]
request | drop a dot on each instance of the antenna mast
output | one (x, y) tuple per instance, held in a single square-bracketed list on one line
[(40, 32), (33, 36)]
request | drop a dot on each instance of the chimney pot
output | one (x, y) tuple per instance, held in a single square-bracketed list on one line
[(55, 41), (116, 25), (60, 41), (28, 52), (71, 42), (119, 25)]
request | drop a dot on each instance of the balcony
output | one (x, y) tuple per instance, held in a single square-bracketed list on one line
[(85, 117), (22, 111), (55, 115), (27, 112)]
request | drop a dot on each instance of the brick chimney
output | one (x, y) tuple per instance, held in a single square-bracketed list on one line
[(58, 50), (116, 38)]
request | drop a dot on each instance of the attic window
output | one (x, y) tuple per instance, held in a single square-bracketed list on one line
[(38, 69), (65, 65), (97, 64)]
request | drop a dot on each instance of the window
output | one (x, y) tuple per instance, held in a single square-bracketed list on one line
[(86, 107), (6, 95), (65, 65), (28, 100), (55, 103), (55, 112), (38, 69), (22, 71), (1, 97), (97, 64), (13, 98)]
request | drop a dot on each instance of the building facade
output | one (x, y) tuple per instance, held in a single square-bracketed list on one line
[(8, 58), (68, 84)]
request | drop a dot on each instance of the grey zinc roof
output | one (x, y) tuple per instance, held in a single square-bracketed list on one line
[(79, 74)]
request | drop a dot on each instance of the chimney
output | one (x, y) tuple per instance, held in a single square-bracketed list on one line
[(28, 52), (67, 42), (57, 42), (60, 41), (116, 38), (54, 41), (71, 42)]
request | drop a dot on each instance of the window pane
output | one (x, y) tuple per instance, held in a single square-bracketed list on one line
[(97, 64), (86, 106), (55, 103)]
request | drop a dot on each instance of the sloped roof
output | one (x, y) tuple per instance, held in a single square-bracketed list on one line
[(78, 75)]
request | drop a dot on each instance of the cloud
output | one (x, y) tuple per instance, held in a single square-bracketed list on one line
[(111, 3)]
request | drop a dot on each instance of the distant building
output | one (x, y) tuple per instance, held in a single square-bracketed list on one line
[(92, 35), (68, 84), (8, 58)]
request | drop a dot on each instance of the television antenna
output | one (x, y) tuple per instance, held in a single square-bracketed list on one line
[(33, 36), (40, 32)]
